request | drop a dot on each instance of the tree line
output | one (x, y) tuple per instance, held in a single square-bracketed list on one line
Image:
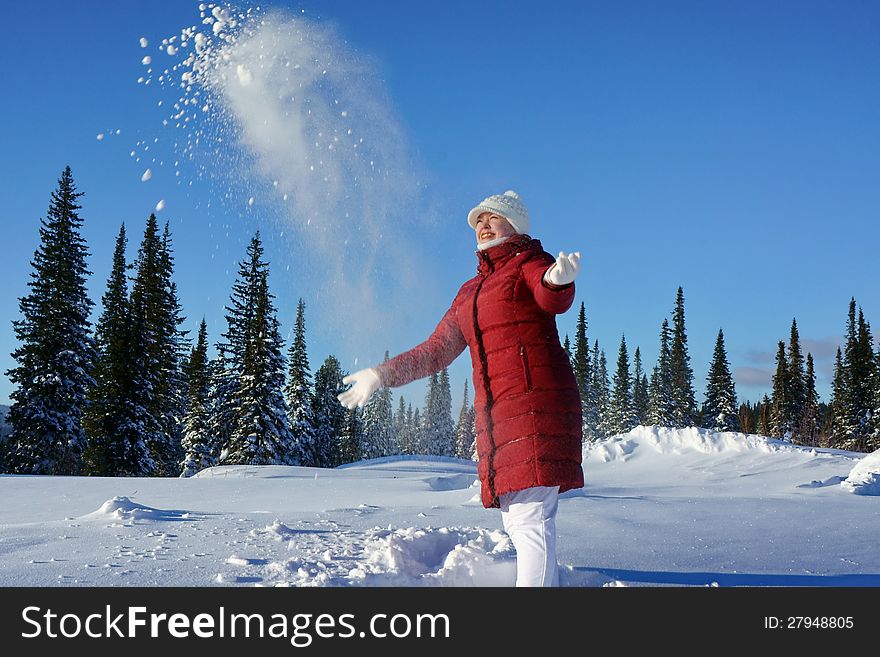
[(792, 411), (133, 396)]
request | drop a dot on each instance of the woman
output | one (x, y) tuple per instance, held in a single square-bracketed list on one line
[(528, 409)]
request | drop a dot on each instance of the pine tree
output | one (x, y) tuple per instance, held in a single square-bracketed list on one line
[(865, 374), (601, 387), (115, 442), (351, 439), (748, 420), (583, 374), (764, 409), (223, 399), (298, 391), (196, 439), (155, 343), (56, 352), (330, 415), (401, 426), (796, 399), (438, 433), (444, 427), (172, 394), (640, 389), (839, 403), (684, 410), (378, 425), (414, 431), (622, 413), (854, 404), (808, 433), (566, 345), (661, 403), (719, 407), (874, 438), (261, 435), (464, 429), (779, 421)]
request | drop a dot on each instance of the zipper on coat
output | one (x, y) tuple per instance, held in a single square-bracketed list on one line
[(527, 373), (490, 399)]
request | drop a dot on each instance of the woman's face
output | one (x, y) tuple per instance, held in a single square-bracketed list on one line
[(490, 226)]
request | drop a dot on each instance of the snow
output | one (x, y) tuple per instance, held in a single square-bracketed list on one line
[(160, 205), (146, 175), (864, 478), (147, 60), (144, 42), (661, 507)]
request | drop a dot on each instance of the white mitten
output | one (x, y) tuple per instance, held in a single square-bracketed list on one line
[(366, 382), (565, 270)]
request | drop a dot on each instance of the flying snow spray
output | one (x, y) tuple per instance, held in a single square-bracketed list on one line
[(279, 109)]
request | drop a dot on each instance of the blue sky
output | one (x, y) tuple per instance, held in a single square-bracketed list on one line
[(730, 148)]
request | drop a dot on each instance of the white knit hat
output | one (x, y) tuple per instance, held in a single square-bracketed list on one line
[(508, 205)]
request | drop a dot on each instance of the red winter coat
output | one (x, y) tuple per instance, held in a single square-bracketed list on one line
[(528, 408)]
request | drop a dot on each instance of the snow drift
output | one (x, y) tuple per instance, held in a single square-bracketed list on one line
[(864, 478), (661, 507)]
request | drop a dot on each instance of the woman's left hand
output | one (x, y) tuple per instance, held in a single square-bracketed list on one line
[(565, 270)]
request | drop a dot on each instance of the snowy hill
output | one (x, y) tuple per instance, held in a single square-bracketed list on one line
[(661, 507)]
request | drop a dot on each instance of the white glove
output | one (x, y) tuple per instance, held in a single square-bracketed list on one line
[(565, 270), (366, 382)]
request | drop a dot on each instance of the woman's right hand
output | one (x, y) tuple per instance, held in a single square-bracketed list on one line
[(366, 382)]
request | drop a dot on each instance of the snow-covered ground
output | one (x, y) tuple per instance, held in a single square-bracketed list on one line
[(661, 507)]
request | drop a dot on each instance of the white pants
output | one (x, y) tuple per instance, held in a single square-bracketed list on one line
[(529, 517)]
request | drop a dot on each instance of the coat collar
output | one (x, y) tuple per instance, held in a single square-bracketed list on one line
[(491, 258)]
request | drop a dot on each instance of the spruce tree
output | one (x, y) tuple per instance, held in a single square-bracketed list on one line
[(661, 402), (378, 425), (298, 390), (351, 438), (438, 433), (197, 441), (855, 402), (764, 409), (796, 399), (874, 438), (223, 399), (56, 352), (865, 374), (330, 415), (622, 413), (601, 386), (172, 394), (719, 407), (155, 344), (640, 389), (684, 410), (583, 374), (426, 435), (839, 403), (780, 426), (400, 425), (748, 420), (566, 346), (107, 397), (261, 435), (464, 429), (444, 427), (417, 440), (116, 444), (809, 428)]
